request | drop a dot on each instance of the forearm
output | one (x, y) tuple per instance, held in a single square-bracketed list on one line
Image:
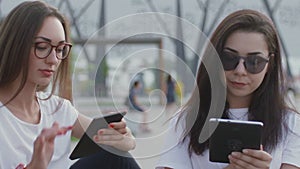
[(80, 125)]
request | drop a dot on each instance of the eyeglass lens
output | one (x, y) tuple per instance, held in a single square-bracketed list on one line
[(253, 63), (43, 50)]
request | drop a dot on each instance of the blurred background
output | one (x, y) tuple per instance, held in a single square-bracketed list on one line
[(91, 45)]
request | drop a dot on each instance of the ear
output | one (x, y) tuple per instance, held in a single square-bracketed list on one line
[(271, 60), (271, 55)]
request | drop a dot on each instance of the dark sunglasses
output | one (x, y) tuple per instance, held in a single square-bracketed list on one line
[(253, 63)]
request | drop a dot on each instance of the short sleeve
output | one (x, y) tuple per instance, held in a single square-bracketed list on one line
[(60, 109), (71, 113), (291, 152), (175, 153)]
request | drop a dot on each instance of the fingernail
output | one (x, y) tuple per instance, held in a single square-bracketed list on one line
[(95, 138), (100, 132), (234, 153), (69, 127), (111, 126), (245, 151)]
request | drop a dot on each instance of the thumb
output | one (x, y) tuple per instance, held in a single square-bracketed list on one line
[(51, 132), (261, 147), (55, 125)]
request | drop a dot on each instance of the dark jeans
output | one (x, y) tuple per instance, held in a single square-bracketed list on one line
[(105, 160)]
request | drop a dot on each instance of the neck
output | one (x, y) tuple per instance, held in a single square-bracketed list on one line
[(24, 105), (239, 102)]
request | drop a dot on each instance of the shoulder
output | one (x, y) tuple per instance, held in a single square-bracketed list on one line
[(177, 125), (54, 103), (293, 121), (290, 151), (59, 108), (174, 153)]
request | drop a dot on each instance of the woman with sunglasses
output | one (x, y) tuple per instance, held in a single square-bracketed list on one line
[(247, 44), (36, 126)]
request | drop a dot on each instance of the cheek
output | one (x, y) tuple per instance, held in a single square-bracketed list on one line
[(227, 75), (258, 78), (58, 64), (32, 62)]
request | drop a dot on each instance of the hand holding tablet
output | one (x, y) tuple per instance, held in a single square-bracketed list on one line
[(86, 146)]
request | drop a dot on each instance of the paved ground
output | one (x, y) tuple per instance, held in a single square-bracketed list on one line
[(149, 145)]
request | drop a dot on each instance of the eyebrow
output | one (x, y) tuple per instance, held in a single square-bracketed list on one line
[(47, 39), (235, 51)]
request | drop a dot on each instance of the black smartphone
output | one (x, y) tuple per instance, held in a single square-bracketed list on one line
[(86, 146), (232, 135)]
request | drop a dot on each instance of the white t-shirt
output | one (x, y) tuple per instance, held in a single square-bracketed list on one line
[(176, 155), (17, 137)]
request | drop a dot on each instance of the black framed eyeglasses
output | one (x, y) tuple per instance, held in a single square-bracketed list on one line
[(43, 50), (253, 63)]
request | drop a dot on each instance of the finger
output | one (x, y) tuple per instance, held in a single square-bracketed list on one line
[(258, 154), (247, 161), (118, 125), (122, 143), (101, 138), (122, 131), (258, 158), (64, 130), (232, 164), (238, 162), (108, 132), (109, 142), (50, 133)]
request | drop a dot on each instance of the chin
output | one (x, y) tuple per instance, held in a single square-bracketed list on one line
[(240, 93), (44, 83)]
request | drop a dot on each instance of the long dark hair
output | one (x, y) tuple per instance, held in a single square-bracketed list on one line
[(267, 104), (16, 38)]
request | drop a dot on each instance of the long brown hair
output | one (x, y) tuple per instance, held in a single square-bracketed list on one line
[(16, 38), (267, 104)]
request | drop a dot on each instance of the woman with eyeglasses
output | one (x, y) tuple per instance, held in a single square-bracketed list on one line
[(247, 44), (36, 126)]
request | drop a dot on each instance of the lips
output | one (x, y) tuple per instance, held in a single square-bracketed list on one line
[(238, 84), (46, 72)]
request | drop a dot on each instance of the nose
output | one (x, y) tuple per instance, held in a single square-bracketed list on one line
[(240, 68), (52, 59)]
